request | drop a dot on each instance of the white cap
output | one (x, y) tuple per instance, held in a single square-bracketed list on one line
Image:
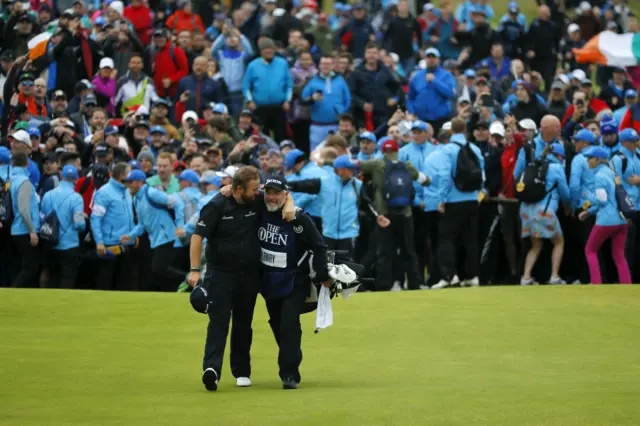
[(422, 64), (189, 115), (528, 124), (395, 58), (428, 6), (22, 136), (579, 75), (563, 78), (106, 63), (585, 6), (231, 170), (572, 28), (279, 12), (118, 6), (446, 126), (496, 128)]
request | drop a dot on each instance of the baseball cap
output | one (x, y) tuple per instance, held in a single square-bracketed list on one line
[(70, 172), (481, 80), (246, 112), (199, 299), (27, 76), (419, 125), (159, 32), (34, 131), (578, 74), (102, 149), (469, 73), (609, 127), (110, 130), (629, 135), (630, 93), (390, 145), (497, 128), (189, 176), (134, 164), (276, 181), (136, 175), (21, 136), (432, 51), (557, 85), (59, 94), (287, 144), (142, 123), (178, 164), (5, 155), (528, 124), (596, 152), (106, 63), (585, 135), (292, 158), (100, 173), (162, 101), (344, 162), (572, 28), (158, 129), (586, 82), (211, 178), (513, 7), (585, 6), (89, 99), (231, 170), (368, 136), (189, 115), (274, 151), (220, 108), (83, 85), (558, 149)]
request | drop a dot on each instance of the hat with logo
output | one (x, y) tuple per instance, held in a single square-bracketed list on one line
[(163, 102), (432, 51), (585, 135), (287, 143), (344, 162), (528, 124), (629, 135), (292, 158), (158, 129), (100, 173), (469, 73), (513, 7), (70, 172), (90, 99), (26, 77), (419, 125), (34, 131), (211, 178), (497, 128), (59, 94), (111, 130), (368, 136), (558, 149), (276, 181), (142, 123), (609, 127), (199, 299), (189, 115), (189, 176), (390, 146), (5, 155), (106, 63), (220, 108), (630, 93), (21, 136), (136, 175), (596, 152), (101, 150), (177, 165)]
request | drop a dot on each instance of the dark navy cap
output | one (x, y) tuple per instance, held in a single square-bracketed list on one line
[(199, 299), (276, 181)]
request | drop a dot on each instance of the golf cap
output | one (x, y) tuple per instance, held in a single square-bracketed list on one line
[(419, 125), (432, 51), (5, 155), (344, 162), (292, 158), (70, 172), (628, 135), (274, 151), (21, 136), (513, 7), (287, 144), (562, 78), (572, 28), (158, 129), (26, 77), (585, 6), (231, 170), (189, 176), (586, 82), (220, 108), (528, 124), (189, 115), (100, 173), (136, 175), (585, 135), (469, 73), (89, 99), (368, 136), (247, 113), (142, 123), (578, 74), (211, 178), (630, 93), (463, 100), (557, 85), (110, 130), (558, 149), (101, 150), (159, 32), (277, 182), (59, 94), (199, 299), (596, 152), (177, 165), (162, 102), (106, 63), (390, 145), (134, 165), (497, 128), (34, 131), (447, 126)]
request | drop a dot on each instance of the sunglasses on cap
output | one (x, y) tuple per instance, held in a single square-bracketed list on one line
[(27, 83)]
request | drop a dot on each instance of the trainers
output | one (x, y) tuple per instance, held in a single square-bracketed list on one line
[(474, 282), (557, 281), (289, 383), (243, 382), (455, 280), (396, 286), (441, 284), (210, 379), (530, 281), (424, 287), (576, 282)]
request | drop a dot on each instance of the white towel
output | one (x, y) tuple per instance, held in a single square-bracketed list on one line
[(324, 314)]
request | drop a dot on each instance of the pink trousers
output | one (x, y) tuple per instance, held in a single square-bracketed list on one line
[(600, 234)]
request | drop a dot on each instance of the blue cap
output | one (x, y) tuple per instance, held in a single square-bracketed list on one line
[(596, 152), (558, 149), (292, 158), (100, 20), (189, 176), (469, 73), (211, 180), (628, 135), (420, 125), (5, 155), (158, 129), (220, 108), (585, 135), (513, 7), (339, 6), (70, 172), (136, 175), (344, 162), (516, 83), (630, 93), (33, 131), (432, 51), (110, 130), (369, 136), (609, 127), (134, 165)]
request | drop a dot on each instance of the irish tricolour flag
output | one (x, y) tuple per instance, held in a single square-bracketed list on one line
[(609, 48), (38, 45)]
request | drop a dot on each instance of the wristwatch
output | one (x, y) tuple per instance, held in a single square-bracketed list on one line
[(195, 270)]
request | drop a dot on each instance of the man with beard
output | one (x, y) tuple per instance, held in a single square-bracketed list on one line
[(285, 248), (231, 283)]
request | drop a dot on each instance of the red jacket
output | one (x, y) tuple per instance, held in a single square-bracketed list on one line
[(140, 17), (508, 162), (174, 67), (631, 119), (596, 104), (180, 21), (87, 195)]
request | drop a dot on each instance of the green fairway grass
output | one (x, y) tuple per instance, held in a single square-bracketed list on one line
[(565, 355)]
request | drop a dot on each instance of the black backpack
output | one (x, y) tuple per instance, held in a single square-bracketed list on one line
[(531, 186), (468, 176), (6, 205), (49, 233), (625, 204), (398, 185), (625, 162)]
